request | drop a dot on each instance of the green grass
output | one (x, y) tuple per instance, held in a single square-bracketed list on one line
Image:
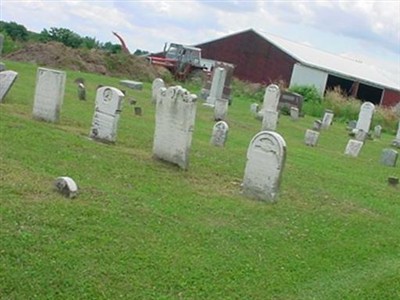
[(143, 229)]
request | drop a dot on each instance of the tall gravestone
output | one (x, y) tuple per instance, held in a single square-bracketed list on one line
[(217, 86), (49, 94), (265, 161), (365, 116), (327, 119), (175, 118), (7, 79), (219, 134), (396, 141), (106, 115), (269, 110), (158, 83)]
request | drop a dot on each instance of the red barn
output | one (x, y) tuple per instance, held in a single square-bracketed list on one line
[(267, 58)]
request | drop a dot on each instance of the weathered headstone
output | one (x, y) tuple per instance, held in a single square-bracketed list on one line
[(7, 79), (360, 135), (136, 85), (311, 138), (289, 99), (317, 125), (396, 141), (49, 94), (175, 118), (107, 112), (219, 134), (389, 157), (270, 106), (217, 87), (158, 83), (377, 131), (353, 148), (138, 111), (66, 186), (221, 109), (265, 161), (81, 91), (365, 116), (294, 113), (254, 108), (327, 119)]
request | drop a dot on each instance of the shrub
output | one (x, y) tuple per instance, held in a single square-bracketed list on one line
[(309, 92)]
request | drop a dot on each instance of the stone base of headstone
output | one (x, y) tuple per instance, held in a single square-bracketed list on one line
[(389, 157), (270, 120), (311, 138), (353, 148), (136, 85), (351, 125)]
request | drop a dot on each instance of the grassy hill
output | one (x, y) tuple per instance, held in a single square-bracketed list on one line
[(143, 229)]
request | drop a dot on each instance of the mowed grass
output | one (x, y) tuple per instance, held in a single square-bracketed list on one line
[(144, 229)]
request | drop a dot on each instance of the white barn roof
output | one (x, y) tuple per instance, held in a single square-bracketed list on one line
[(331, 63)]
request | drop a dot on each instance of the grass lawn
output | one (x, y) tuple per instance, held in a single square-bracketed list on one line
[(144, 229)]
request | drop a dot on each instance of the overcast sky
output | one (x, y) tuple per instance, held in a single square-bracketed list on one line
[(361, 29)]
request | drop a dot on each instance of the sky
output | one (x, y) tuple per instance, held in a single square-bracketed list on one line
[(361, 29)]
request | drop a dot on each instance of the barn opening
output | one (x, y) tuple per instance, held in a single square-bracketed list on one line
[(369, 93), (344, 84)]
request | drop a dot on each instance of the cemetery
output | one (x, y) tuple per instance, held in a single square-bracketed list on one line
[(191, 198)]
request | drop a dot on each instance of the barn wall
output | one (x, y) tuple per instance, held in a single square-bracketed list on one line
[(390, 97), (303, 75), (255, 59)]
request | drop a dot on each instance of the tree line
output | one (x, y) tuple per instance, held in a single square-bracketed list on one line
[(15, 35)]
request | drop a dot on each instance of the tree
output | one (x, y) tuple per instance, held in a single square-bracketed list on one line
[(62, 35), (15, 31)]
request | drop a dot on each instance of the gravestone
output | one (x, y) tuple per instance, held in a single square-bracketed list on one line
[(360, 135), (389, 157), (353, 148), (317, 125), (254, 108), (377, 131), (217, 87), (294, 113), (49, 94), (269, 110), (219, 134), (311, 138), (221, 109), (81, 91), (158, 83), (351, 125), (7, 79), (2, 66), (327, 119), (136, 85), (396, 141), (106, 115), (226, 93), (289, 99), (175, 118), (66, 186), (266, 156), (365, 116), (138, 111)]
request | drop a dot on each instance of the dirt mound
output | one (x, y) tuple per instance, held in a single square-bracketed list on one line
[(57, 55)]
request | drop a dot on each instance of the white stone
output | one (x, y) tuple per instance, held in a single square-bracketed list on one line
[(7, 79), (49, 94), (219, 134), (158, 83), (221, 109), (265, 161), (327, 120), (175, 118), (365, 116), (311, 138), (66, 186), (269, 120), (294, 113), (254, 108), (136, 85), (377, 131), (271, 98), (389, 157), (353, 148), (107, 112), (217, 86)]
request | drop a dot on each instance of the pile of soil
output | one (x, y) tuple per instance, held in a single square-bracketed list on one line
[(57, 55)]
